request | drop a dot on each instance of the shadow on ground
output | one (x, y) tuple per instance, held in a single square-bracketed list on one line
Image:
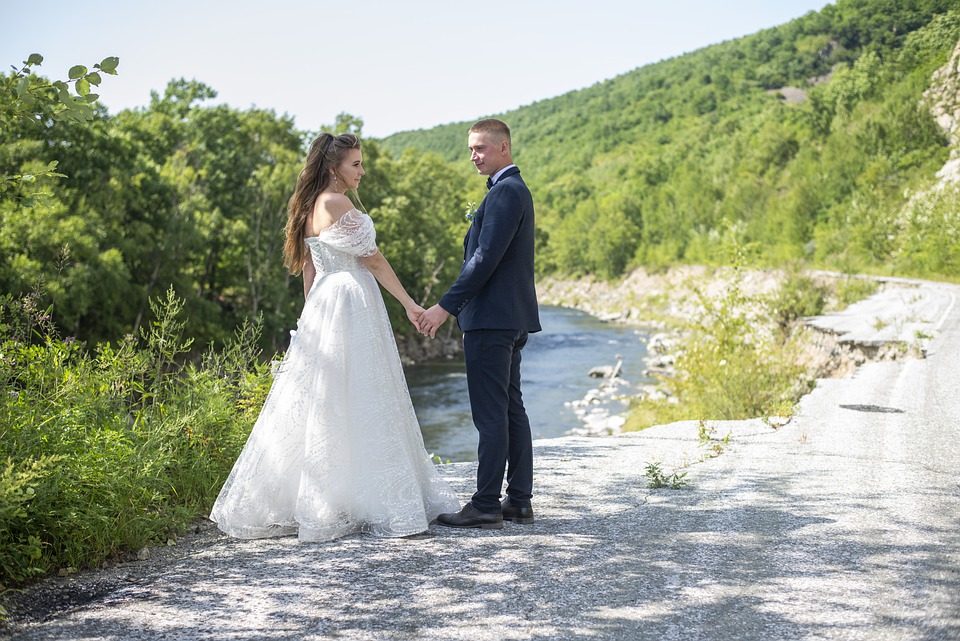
[(745, 556)]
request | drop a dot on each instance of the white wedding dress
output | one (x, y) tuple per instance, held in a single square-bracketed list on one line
[(337, 447)]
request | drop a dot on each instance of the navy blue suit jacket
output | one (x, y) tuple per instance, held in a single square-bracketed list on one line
[(496, 288)]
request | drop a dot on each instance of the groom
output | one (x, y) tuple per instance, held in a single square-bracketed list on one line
[(495, 303)]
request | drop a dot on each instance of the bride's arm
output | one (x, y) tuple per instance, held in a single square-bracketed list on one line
[(309, 273), (385, 275)]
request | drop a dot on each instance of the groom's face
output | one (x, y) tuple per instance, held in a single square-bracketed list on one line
[(487, 154)]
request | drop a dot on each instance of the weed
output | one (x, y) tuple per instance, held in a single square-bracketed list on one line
[(713, 446), (657, 478)]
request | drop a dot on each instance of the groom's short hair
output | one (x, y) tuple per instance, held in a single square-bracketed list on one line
[(492, 127)]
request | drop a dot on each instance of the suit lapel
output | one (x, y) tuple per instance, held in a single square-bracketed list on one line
[(474, 227)]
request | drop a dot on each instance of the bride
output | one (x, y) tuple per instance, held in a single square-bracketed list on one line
[(337, 448)]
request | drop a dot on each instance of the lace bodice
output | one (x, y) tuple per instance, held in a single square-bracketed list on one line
[(340, 246)]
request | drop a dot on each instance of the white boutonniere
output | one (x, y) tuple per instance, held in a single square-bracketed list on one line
[(471, 212)]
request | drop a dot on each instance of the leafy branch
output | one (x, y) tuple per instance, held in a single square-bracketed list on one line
[(26, 97)]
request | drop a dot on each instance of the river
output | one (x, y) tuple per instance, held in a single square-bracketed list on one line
[(555, 374)]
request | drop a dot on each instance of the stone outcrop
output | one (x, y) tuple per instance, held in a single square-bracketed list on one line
[(942, 98)]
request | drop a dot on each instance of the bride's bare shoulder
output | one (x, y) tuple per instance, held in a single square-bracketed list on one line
[(328, 209)]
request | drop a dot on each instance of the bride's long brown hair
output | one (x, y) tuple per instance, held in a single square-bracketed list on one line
[(325, 152)]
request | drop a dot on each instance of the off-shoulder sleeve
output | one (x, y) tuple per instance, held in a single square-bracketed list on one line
[(353, 233)]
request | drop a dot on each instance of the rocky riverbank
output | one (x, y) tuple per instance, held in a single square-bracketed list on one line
[(415, 348), (660, 299), (667, 302)]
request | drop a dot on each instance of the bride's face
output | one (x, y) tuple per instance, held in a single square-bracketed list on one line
[(350, 170)]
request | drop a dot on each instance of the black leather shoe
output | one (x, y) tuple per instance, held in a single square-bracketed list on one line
[(516, 514), (470, 516)]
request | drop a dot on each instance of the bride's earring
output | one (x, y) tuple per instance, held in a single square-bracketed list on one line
[(336, 184)]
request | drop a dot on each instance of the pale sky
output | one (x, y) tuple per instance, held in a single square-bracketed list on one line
[(397, 65)]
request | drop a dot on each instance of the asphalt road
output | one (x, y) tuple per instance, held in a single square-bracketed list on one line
[(842, 524)]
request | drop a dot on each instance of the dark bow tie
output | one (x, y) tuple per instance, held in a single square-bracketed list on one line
[(489, 182)]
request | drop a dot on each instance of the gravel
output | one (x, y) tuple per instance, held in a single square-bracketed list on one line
[(840, 524)]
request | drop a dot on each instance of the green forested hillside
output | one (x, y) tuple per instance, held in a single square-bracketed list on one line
[(656, 166)]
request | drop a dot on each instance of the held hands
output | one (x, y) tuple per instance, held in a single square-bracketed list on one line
[(431, 320), (427, 321), (413, 315)]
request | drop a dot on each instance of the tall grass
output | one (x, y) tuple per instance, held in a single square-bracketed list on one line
[(110, 448)]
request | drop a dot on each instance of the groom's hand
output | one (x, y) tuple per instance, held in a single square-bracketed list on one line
[(432, 319)]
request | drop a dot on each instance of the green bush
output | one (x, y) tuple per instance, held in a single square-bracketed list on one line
[(733, 363), (930, 238), (797, 297), (112, 448), (21, 550), (852, 289)]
